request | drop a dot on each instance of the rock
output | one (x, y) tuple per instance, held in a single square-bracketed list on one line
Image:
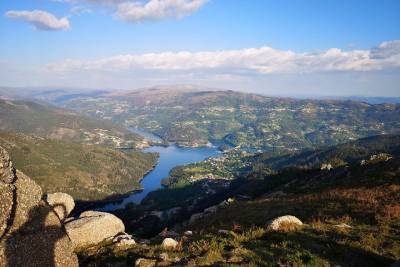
[(276, 223), (278, 193), (164, 256), (92, 227), (326, 166), (144, 241), (210, 210), (124, 240), (188, 233), (169, 243), (235, 259), (142, 262), (243, 197), (343, 225), (7, 172), (157, 213), (167, 233), (223, 231), (69, 219), (62, 203), (195, 217), (173, 211), (31, 233)]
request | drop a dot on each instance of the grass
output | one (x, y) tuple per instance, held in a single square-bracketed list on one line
[(365, 197), (319, 244)]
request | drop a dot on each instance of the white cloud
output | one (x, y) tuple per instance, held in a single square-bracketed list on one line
[(153, 10), (150, 10), (41, 20), (79, 10), (263, 60)]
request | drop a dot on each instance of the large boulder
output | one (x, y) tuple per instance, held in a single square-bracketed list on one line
[(93, 227), (62, 204), (277, 223), (31, 233), (169, 243)]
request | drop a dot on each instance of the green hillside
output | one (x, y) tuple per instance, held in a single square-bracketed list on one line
[(193, 118), (55, 123), (86, 172), (236, 163)]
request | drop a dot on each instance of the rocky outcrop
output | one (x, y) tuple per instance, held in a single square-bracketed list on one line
[(31, 233), (62, 203), (277, 223), (93, 227)]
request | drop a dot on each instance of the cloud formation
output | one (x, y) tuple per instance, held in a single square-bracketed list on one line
[(41, 20), (157, 9), (152, 10), (263, 60)]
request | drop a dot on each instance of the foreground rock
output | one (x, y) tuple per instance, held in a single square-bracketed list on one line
[(31, 233), (124, 240), (93, 227), (169, 243), (142, 262), (62, 204), (277, 223)]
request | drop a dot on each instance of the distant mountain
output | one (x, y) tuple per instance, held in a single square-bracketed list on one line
[(195, 117), (48, 94), (373, 99), (86, 172), (56, 123)]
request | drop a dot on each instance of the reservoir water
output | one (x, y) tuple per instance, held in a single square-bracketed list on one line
[(170, 156)]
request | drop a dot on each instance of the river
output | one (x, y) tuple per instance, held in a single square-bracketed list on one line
[(170, 156)]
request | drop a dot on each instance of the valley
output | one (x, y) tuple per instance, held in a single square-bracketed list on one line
[(211, 167), (199, 133), (197, 118)]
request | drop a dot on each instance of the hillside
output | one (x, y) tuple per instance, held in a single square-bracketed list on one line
[(236, 163), (194, 118), (55, 123), (350, 214), (86, 172)]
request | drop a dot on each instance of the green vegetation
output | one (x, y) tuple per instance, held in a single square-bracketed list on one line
[(194, 118), (228, 166), (365, 197), (236, 163), (55, 123), (86, 172), (351, 212)]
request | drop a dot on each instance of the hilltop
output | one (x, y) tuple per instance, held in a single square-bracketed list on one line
[(86, 172), (197, 117)]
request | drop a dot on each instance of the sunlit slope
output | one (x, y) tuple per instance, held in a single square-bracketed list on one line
[(86, 172)]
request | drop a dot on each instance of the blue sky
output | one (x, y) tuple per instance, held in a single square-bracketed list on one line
[(311, 47)]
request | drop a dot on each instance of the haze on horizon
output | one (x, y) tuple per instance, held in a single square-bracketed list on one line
[(321, 48)]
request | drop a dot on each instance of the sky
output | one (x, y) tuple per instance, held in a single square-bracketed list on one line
[(285, 47)]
